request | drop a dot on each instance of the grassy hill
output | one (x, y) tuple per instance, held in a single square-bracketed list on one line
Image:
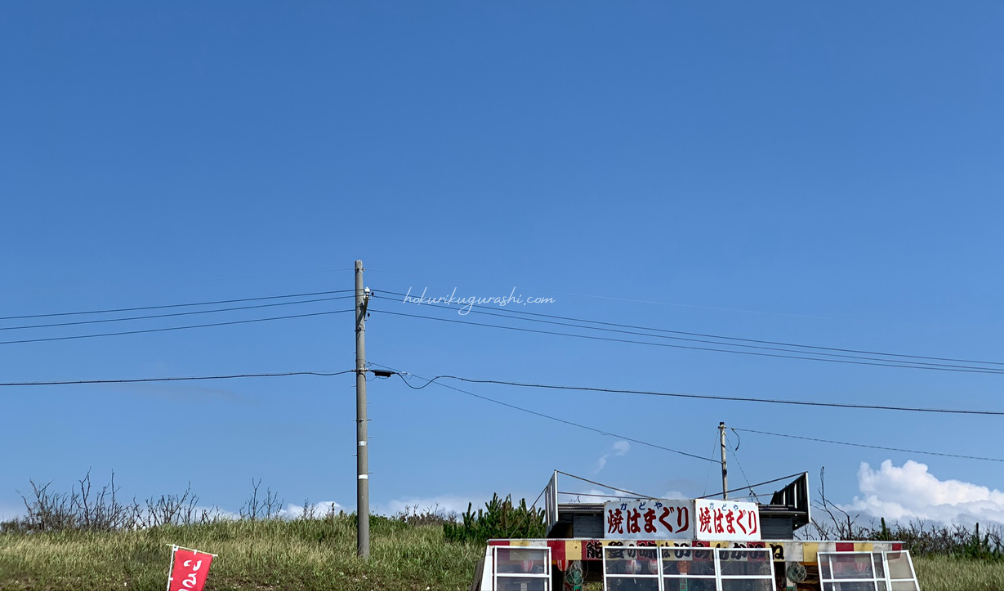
[(305, 555)]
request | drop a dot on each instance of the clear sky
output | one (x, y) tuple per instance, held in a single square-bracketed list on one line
[(828, 174)]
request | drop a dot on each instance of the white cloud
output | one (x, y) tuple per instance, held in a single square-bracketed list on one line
[(911, 492), (442, 504), (318, 510), (620, 448), (590, 495)]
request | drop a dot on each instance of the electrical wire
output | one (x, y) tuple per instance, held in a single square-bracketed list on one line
[(735, 454), (707, 477), (912, 451), (172, 328), (632, 300), (175, 314), (167, 306), (576, 494), (959, 369), (726, 398), (510, 311), (741, 488), (179, 379), (593, 482), (404, 379)]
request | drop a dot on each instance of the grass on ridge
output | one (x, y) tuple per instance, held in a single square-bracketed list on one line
[(263, 555), (307, 555)]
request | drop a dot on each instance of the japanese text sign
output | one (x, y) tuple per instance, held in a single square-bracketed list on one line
[(650, 519), (189, 569), (727, 520)]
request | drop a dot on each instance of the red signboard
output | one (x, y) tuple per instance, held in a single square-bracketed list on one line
[(189, 570)]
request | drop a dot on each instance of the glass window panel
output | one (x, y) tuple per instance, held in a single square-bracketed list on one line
[(881, 585), (824, 568), (522, 584), (689, 583), (851, 565), (632, 583), (632, 561), (854, 586), (751, 566), (695, 568), (910, 585), (748, 585), (879, 568), (899, 565), (521, 560)]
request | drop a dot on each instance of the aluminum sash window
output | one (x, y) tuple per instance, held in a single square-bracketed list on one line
[(521, 568), (694, 569), (867, 571)]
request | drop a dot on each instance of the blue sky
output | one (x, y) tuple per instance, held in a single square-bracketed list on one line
[(797, 172)]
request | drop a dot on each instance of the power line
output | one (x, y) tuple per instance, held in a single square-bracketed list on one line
[(884, 362), (175, 314), (172, 328), (403, 377), (179, 379), (725, 398), (752, 486), (576, 494), (912, 451), (167, 306), (735, 454), (605, 485), (633, 300), (477, 308), (960, 369)]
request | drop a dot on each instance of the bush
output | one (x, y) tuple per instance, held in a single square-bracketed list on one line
[(499, 519)]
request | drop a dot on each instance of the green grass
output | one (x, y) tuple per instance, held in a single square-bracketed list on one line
[(940, 573), (313, 555)]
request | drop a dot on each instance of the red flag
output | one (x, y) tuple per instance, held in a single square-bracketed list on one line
[(189, 571)]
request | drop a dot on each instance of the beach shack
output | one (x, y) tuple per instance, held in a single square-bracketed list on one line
[(639, 544)]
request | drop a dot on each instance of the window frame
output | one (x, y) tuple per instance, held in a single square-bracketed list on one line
[(875, 557), (660, 576), (545, 576)]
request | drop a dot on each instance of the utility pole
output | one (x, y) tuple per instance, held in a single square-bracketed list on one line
[(725, 470), (362, 455)]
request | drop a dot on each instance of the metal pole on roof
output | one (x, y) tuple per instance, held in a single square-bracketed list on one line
[(725, 470), (362, 455)]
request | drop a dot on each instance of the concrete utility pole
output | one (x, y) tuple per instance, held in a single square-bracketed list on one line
[(725, 470), (362, 455)]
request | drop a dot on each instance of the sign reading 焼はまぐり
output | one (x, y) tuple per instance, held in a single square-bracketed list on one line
[(727, 520), (651, 519)]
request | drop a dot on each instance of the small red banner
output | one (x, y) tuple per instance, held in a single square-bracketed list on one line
[(189, 571)]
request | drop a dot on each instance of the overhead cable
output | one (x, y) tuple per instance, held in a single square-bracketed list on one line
[(179, 378), (175, 314), (167, 306), (724, 398), (863, 445), (404, 378), (172, 328), (721, 337), (960, 369)]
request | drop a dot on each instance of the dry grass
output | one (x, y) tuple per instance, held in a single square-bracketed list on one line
[(308, 555), (940, 573), (264, 555)]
